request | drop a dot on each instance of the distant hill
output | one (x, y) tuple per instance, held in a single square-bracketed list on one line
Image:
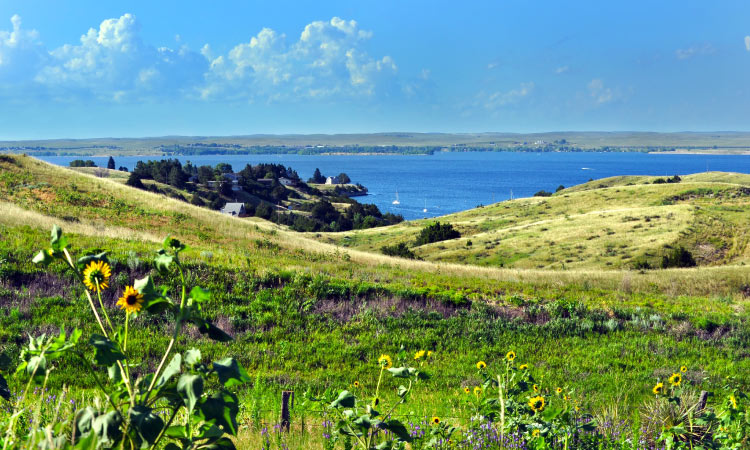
[(612, 223)]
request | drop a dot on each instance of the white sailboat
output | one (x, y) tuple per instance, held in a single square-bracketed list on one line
[(425, 206), (396, 202)]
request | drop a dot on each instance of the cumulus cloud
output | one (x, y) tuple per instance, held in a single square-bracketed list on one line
[(498, 99), (600, 93), (21, 52), (747, 43), (696, 50), (327, 60), (113, 62), (562, 69)]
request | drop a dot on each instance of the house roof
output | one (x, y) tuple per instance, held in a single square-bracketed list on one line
[(234, 209)]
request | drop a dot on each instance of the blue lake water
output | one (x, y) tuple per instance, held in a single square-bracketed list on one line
[(448, 182)]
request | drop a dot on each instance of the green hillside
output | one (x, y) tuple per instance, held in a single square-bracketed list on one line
[(612, 223), (310, 315)]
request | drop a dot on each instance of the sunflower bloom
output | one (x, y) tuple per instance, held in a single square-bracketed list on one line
[(385, 361), (535, 433), (96, 276), (467, 390), (419, 355), (510, 356), (658, 389), (356, 384), (435, 420), (675, 379), (558, 390), (733, 401), (131, 300), (429, 353), (537, 403), (481, 365), (536, 388), (477, 391), (683, 369), (523, 366)]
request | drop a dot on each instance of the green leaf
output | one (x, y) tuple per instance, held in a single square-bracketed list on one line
[(4, 390), (43, 257), (550, 413), (176, 431), (172, 244), (222, 409), (192, 357), (221, 444), (36, 366), (214, 333), (230, 372), (345, 400), (190, 388), (402, 391), (397, 428), (172, 369), (83, 421), (399, 372), (85, 260), (105, 351), (107, 427), (57, 240), (147, 424), (153, 301), (163, 261), (199, 294)]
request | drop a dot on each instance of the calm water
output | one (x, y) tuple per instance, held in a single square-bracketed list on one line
[(450, 182)]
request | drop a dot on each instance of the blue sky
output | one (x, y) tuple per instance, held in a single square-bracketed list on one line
[(146, 68)]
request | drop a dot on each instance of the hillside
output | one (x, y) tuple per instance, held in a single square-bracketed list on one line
[(613, 223), (310, 315)]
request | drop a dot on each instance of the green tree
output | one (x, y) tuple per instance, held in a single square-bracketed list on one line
[(111, 163), (344, 178)]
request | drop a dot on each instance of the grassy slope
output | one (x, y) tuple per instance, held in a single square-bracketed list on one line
[(305, 313), (609, 223)]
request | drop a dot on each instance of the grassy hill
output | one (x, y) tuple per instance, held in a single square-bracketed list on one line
[(613, 223), (311, 315)]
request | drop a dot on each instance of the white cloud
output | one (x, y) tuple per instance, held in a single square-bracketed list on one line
[(21, 52), (562, 69), (747, 43), (599, 92), (327, 60), (499, 99), (696, 50)]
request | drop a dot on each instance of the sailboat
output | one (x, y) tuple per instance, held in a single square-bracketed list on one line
[(425, 206), (396, 202)]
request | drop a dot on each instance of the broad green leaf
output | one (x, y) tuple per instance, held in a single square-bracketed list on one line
[(550, 413), (107, 427), (105, 351), (230, 372), (192, 357), (176, 432), (172, 244), (36, 366), (214, 333), (190, 388), (345, 400), (85, 260), (83, 421), (57, 240), (397, 428), (146, 424), (172, 369), (199, 294), (43, 257), (402, 391), (163, 261), (399, 372), (222, 409)]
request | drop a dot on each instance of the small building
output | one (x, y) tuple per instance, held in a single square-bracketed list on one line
[(234, 209), (265, 180), (333, 180), (286, 181)]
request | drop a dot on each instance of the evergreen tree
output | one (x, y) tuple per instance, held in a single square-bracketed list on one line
[(317, 177), (111, 163), (176, 177)]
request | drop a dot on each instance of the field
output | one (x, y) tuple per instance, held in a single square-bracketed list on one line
[(311, 316)]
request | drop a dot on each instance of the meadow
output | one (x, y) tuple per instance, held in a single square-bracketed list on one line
[(315, 318)]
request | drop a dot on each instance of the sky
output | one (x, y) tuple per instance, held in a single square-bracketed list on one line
[(93, 68)]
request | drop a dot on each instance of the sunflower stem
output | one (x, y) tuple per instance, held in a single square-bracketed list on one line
[(104, 310)]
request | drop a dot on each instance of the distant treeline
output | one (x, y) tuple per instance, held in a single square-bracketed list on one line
[(235, 149)]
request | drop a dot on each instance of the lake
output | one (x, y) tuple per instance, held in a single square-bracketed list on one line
[(450, 181)]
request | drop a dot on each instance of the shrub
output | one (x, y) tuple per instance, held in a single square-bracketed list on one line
[(542, 193), (678, 257), (436, 232), (400, 250)]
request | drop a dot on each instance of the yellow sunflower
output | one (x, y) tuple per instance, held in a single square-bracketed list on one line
[(558, 390), (523, 366), (429, 353), (537, 403), (536, 388), (675, 379), (96, 275), (683, 369), (355, 384), (535, 433), (131, 300), (467, 390), (385, 361), (477, 391), (658, 389), (510, 356), (435, 420), (419, 355), (481, 365), (733, 401)]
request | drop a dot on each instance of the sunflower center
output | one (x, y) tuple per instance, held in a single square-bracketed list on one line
[(131, 299)]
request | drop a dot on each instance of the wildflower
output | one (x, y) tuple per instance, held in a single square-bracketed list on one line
[(419, 355), (385, 362), (477, 391), (435, 420), (429, 353), (535, 433), (733, 401), (523, 366), (675, 379), (558, 390), (96, 275), (131, 300), (481, 365), (510, 356), (658, 389), (356, 384), (683, 369), (536, 388), (537, 403), (467, 390)]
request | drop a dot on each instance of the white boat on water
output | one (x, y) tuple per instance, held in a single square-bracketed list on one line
[(425, 206), (396, 202)]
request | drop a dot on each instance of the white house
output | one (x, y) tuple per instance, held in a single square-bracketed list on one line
[(234, 209), (286, 181), (333, 180)]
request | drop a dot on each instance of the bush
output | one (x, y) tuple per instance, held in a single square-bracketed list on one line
[(678, 257), (400, 250), (134, 180), (542, 193), (82, 163), (437, 232)]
